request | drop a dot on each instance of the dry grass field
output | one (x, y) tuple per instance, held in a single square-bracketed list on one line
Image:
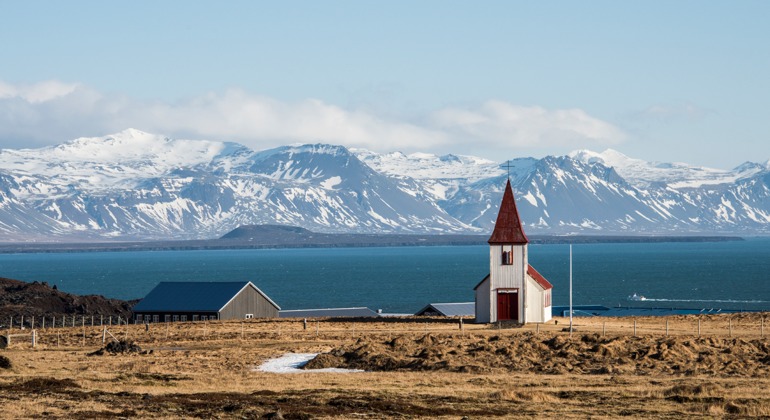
[(417, 368)]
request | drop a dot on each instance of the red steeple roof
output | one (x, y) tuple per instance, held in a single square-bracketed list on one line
[(508, 228)]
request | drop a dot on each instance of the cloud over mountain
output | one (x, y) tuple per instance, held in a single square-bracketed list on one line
[(49, 112)]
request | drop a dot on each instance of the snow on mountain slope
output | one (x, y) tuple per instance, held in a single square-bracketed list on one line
[(429, 166), (111, 161), (676, 175), (139, 185), (135, 185)]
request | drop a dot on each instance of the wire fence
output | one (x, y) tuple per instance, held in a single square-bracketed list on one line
[(93, 331)]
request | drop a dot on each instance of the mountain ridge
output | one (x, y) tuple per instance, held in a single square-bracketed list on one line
[(106, 188)]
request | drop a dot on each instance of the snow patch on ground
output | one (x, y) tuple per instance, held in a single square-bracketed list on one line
[(293, 362)]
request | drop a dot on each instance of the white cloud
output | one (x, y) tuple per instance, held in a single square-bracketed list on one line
[(53, 112), (497, 122), (672, 113), (38, 92)]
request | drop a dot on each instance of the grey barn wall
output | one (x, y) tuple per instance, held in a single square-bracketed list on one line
[(248, 301)]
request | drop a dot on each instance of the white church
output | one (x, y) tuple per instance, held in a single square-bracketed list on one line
[(513, 291)]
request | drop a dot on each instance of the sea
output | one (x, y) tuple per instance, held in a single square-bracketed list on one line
[(700, 275)]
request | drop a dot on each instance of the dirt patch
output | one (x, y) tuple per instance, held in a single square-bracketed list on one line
[(44, 385), (555, 354), (5, 363)]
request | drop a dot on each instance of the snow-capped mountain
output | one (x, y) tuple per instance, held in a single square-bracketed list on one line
[(676, 175), (135, 185)]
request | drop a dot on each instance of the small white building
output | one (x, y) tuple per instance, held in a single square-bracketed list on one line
[(513, 290)]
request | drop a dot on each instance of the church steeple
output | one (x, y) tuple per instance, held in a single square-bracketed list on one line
[(508, 229)]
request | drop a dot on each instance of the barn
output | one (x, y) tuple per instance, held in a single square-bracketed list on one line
[(202, 301), (466, 309)]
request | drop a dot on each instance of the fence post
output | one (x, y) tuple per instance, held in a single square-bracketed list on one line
[(33, 323), (34, 338), (101, 319), (43, 326), (462, 327), (21, 326), (73, 321)]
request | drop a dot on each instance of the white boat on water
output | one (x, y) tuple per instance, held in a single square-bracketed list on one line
[(636, 297)]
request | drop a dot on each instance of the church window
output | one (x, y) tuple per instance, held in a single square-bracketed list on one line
[(507, 257)]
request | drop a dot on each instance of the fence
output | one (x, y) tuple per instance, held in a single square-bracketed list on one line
[(88, 334), (21, 322)]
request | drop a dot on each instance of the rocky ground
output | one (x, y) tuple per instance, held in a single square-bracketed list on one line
[(38, 299)]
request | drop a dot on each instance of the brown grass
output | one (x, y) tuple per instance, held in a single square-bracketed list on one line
[(207, 370)]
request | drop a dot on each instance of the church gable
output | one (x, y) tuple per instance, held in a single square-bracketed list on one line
[(539, 279)]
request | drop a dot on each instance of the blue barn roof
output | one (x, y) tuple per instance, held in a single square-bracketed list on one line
[(450, 309), (192, 296), (328, 312)]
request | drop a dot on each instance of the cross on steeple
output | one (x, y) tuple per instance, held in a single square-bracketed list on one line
[(508, 166)]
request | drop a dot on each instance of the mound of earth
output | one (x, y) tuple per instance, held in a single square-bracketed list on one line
[(18, 298), (555, 354), (118, 347), (5, 363)]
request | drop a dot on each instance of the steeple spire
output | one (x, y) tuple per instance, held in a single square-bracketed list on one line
[(508, 229)]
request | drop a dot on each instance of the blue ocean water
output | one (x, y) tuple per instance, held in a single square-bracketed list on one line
[(727, 275)]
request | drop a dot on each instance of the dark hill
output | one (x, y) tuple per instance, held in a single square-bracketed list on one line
[(18, 298)]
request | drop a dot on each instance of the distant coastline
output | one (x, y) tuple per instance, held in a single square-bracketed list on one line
[(276, 237)]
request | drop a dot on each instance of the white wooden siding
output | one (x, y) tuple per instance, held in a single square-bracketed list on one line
[(483, 304), (507, 276)]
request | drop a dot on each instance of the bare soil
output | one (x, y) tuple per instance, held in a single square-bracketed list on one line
[(415, 368)]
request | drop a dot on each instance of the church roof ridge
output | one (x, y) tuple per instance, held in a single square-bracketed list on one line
[(508, 229)]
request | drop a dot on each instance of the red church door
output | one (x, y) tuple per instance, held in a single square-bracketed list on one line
[(508, 305)]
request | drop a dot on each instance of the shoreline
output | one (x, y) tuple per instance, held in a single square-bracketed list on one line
[(334, 241)]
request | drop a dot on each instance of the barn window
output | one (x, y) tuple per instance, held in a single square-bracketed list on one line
[(166, 318), (156, 318), (195, 318), (249, 316), (176, 318), (184, 318), (204, 318), (139, 318)]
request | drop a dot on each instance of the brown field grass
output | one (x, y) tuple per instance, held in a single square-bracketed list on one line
[(419, 368)]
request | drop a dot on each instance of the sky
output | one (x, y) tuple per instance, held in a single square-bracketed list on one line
[(669, 81)]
